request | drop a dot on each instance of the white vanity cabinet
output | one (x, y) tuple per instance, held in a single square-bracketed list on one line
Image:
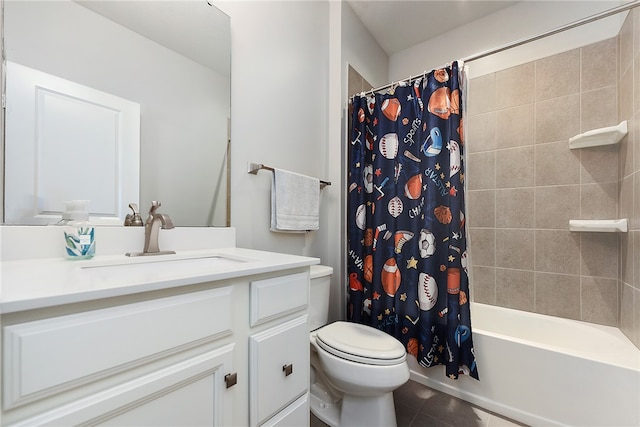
[(228, 352)]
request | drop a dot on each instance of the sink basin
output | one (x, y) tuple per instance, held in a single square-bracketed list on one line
[(160, 267)]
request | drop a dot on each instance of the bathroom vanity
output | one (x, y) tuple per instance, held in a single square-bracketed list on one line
[(213, 335)]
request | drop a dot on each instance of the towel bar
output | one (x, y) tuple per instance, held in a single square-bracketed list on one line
[(255, 167)]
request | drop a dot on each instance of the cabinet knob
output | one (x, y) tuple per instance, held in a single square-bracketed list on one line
[(231, 379), (287, 369)]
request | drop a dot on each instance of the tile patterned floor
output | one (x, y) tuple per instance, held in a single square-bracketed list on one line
[(420, 406)]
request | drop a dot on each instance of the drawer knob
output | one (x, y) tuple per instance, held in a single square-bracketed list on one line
[(231, 379), (287, 369)]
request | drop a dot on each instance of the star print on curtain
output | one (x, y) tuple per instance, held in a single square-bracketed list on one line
[(406, 227)]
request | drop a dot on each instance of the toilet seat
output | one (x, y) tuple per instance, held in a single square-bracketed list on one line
[(360, 343)]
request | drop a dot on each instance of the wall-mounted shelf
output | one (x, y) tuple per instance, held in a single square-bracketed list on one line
[(597, 137), (599, 225)]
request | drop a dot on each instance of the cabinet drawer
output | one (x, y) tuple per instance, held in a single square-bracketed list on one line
[(272, 298), (294, 415), (270, 353), (45, 357)]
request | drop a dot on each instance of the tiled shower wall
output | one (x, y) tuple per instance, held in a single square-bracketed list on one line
[(525, 184), (629, 177)]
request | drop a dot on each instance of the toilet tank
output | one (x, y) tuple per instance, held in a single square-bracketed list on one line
[(320, 278)]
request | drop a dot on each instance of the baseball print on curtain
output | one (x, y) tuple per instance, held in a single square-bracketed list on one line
[(406, 227)]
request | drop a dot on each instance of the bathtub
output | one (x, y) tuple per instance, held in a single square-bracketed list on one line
[(543, 370)]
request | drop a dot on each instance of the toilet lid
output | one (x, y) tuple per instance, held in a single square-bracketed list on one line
[(360, 343)]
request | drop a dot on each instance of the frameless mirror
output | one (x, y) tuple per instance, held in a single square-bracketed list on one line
[(171, 58)]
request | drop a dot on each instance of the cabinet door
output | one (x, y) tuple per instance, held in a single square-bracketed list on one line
[(279, 368), (189, 393), (88, 346)]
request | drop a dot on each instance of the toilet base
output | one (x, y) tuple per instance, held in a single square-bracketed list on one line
[(354, 411), (327, 412)]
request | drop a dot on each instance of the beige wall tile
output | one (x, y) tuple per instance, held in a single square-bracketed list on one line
[(556, 205), (635, 216), (599, 300), (483, 284), (626, 311), (515, 86), (634, 127), (599, 201), (599, 64), (515, 249), (636, 30), (625, 44), (557, 119), (599, 254), (635, 337), (482, 94), (599, 164), (599, 108), (481, 130), (514, 208), (514, 127), (354, 82), (481, 170), (630, 314), (556, 75), (625, 198), (625, 95), (556, 164), (625, 159), (636, 78), (518, 146), (558, 295), (514, 167), (626, 258), (515, 289), (635, 259), (483, 246), (481, 208), (557, 251)]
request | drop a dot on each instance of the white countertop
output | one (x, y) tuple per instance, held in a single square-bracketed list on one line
[(44, 282)]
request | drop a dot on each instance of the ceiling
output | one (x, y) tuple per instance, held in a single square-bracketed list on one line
[(419, 20)]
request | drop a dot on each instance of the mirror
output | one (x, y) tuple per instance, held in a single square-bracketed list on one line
[(170, 57)]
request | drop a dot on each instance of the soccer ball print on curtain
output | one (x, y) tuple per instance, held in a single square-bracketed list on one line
[(406, 227)]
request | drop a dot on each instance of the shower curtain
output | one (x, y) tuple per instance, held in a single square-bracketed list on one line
[(406, 227)]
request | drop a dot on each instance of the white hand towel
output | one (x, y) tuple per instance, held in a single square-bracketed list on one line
[(295, 202)]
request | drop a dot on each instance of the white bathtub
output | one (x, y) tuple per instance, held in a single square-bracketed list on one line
[(543, 370)]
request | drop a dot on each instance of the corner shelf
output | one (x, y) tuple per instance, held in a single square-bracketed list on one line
[(598, 137), (599, 225)]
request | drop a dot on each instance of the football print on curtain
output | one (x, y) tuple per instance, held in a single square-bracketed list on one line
[(406, 227)]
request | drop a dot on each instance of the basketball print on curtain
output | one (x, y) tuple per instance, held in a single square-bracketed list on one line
[(406, 225)]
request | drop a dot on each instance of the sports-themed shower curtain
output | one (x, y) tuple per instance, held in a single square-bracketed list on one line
[(406, 227)]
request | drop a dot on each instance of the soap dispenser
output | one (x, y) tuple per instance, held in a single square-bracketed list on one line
[(79, 234)]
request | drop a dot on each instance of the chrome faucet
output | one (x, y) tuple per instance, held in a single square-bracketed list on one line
[(155, 221)]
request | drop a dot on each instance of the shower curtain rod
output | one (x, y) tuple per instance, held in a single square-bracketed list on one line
[(587, 20)]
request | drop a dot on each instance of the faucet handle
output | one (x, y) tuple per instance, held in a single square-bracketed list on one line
[(133, 219), (154, 206)]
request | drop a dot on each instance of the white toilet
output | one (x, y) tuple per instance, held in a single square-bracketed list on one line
[(354, 368)]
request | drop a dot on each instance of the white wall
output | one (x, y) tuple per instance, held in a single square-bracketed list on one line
[(361, 51), (289, 68), (508, 25), (279, 91)]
